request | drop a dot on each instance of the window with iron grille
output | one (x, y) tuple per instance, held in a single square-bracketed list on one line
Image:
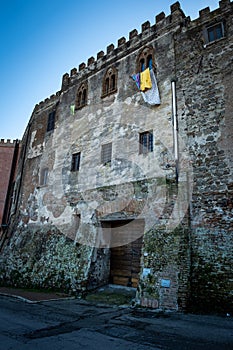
[(51, 121), (75, 161), (215, 32), (106, 153), (146, 142)]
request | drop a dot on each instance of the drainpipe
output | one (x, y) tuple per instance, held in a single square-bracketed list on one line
[(175, 127)]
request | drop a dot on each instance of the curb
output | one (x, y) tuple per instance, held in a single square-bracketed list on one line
[(34, 301)]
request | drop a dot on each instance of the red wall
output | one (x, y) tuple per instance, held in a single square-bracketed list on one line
[(6, 156)]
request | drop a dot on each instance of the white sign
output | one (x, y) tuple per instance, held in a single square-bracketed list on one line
[(165, 283)]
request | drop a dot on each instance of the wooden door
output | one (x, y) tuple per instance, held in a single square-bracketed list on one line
[(125, 259)]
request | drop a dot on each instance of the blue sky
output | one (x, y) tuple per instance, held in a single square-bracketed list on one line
[(42, 40)]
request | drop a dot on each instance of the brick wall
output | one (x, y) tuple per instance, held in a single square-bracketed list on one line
[(6, 157), (204, 86)]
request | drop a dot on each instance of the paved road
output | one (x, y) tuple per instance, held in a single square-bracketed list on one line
[(74, 325)]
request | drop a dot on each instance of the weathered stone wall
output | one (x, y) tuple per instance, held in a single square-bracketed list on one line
[(165, 276), (45, 258), (205, 117)]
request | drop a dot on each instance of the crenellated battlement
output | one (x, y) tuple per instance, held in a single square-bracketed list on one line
[(162, 25), (206, 15), (7, 142), (49, 100)]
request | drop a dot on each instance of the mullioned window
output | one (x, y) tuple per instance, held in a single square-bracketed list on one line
[(109, 82), (145, 59), (81, 96)]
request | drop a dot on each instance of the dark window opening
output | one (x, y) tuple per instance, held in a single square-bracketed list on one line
[(149, 62), (51, 121), (75, 161), (79, 99), (106, 153), (215, 32), (106, 85), (146, 142), (84, 97), (142, 65), (113, 82)]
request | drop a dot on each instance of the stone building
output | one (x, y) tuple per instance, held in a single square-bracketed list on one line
[(129, 184), (9, 152)]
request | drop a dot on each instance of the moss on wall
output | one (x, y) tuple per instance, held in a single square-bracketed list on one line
[(44, 258)]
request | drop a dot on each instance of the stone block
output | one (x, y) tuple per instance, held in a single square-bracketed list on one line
[(133, 34), (82, 66), (160, 17), (174, 7)]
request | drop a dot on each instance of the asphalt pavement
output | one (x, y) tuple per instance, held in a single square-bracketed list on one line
[(68, 323)]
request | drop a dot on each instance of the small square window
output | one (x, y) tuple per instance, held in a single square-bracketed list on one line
[(75, 161), (215, 32), (106, 153), (145, 142)]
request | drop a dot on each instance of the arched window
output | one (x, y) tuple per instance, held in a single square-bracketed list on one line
[(145, 59), (109, 82), (81, 97)]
